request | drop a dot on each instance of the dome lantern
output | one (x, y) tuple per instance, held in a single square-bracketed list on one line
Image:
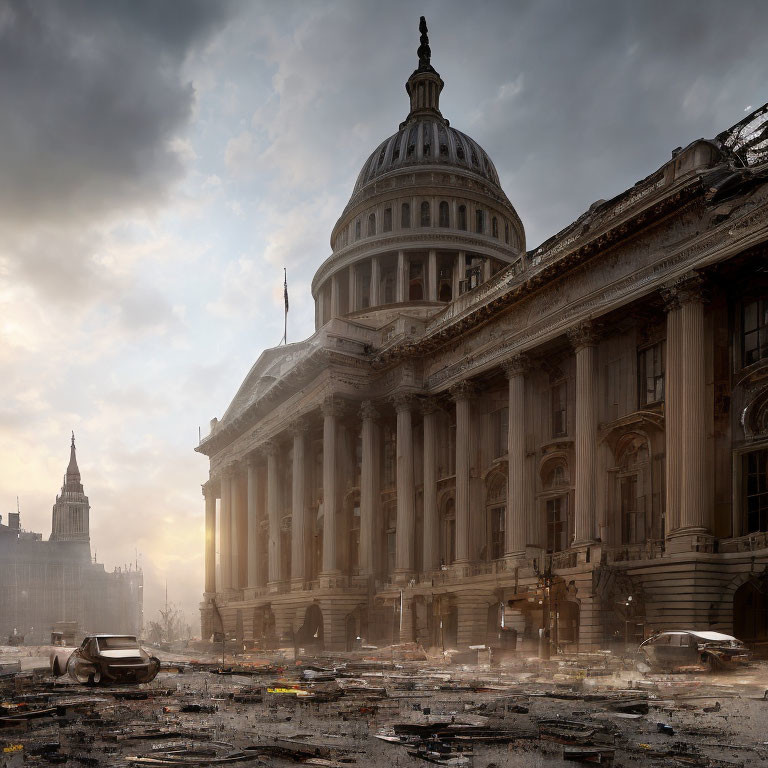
[(425, 84)]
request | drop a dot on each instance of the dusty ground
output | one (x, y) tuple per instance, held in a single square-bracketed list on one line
[(715, 720)]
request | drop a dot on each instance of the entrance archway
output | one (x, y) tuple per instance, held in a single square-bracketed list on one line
[(750, 611), (310, 633)]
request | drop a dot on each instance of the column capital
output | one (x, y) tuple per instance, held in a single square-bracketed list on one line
[(429, 405), (332, 406), (403, 401), (585, 334), (368, 411), (227, 471), (208, 488), (671, 298), (253, 457), (691, 290), (298, 427), (270, 448), (462, 390), (517, 365)]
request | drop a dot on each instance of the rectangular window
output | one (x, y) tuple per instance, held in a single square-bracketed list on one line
[(650, 373), (559, 410), (557, 524), (755, 478), (754, 331), (629, 532), (497, 532), (499, 432), (450, 543)]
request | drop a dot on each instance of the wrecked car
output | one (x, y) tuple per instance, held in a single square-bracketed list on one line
[(674, 649), (104, 659)]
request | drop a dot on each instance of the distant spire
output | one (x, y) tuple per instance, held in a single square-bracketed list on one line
[(72, 468), (424, 52)]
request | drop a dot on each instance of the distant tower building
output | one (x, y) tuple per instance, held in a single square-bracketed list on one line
[(70, 512)]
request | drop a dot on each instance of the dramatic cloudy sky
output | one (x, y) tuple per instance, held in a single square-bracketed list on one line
[(160, 162)]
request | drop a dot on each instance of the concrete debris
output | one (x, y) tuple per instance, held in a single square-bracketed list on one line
[(386, 709)]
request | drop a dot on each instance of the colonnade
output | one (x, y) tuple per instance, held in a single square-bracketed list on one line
[(429, 260), (686, 502)]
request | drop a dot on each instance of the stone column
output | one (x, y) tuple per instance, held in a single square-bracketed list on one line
[(584, 340), (431, 533), (253, 523), (375, 281), (225, 534), (331, 411), (432, 276), (210, 539), (459, 266), (673, 410), (520, 508), (369, 488), (352, 290), (462, 394), (273, 513), (320, 308), (334, 296), (406, 499), (401, 290), (236, 530), (299, 502), (694, 512)]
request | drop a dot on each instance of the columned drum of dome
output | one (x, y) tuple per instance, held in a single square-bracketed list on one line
[(427, 220)]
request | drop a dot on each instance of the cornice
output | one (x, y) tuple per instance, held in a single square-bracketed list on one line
[(508, 289)]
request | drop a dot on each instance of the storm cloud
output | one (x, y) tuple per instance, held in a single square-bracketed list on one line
[(93, 97)]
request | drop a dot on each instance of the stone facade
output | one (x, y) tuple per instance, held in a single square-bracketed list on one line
[(46, 582), (473, 425)]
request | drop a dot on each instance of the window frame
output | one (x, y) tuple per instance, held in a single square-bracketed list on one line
[(659, 378), (760, 330), (556, 387)]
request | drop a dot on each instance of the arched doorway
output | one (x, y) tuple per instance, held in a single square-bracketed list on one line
[(750, 611), (310, 634)]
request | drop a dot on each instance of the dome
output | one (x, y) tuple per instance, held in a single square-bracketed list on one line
[(427, 220), (427, 141)]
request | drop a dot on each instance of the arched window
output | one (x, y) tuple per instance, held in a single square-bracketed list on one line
[(479, 221), (495, 227), (557, 517), (357, 229), (463, 217), (405, 216), (387, 219), (372, 225), (425, 222), (427, 142), (444, 219), (506, 232)]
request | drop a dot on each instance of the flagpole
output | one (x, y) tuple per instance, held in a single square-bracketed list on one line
[(285, 299)]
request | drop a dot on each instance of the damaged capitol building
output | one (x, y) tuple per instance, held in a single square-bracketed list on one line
[(480, 437)]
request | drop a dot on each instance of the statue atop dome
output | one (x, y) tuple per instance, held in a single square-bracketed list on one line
[(424, 52)]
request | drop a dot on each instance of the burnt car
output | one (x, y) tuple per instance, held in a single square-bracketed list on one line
[(102, 659), (712, 651)]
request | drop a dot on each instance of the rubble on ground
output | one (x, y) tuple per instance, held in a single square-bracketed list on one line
[(383, 707)]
